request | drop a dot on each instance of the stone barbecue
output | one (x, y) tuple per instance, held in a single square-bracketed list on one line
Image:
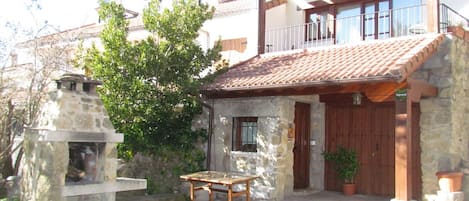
[(71, 151)]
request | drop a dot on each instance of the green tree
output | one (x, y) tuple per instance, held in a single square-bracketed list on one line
[(150, 87)]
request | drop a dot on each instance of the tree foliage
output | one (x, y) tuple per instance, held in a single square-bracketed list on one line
[(150, 87)]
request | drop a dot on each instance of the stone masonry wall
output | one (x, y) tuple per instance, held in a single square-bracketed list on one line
[(459, 144), (319, 136), (274, 160), (443, 123)]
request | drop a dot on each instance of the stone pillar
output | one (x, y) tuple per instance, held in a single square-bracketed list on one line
[(459, 141), (444, 127)]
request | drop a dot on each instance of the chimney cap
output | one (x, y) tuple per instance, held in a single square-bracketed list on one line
[(78, 78), (72, 77)]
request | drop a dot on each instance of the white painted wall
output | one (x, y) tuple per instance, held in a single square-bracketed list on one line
[(295, 15), (461, 6), (238, 25), (275, 17), (232, 20), (277, 37)]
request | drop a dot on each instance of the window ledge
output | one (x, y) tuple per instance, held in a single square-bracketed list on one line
[(242, 153)]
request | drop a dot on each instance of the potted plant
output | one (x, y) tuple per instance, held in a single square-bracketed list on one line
[(345, 162)]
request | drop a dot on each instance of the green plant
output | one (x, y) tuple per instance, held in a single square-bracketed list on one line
[(151, 86), (345, 162)]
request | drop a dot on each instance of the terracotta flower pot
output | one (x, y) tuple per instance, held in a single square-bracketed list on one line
[(349, 189), (449, 181)]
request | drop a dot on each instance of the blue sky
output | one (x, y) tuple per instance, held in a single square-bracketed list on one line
[(66, 14), (62, 14)]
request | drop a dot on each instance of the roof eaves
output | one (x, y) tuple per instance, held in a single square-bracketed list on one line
[(410, 62), (388, 78)]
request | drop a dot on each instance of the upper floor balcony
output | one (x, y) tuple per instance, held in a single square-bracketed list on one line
[(353, 23)]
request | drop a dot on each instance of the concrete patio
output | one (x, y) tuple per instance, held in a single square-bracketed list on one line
[(298, 195), (331, 196)]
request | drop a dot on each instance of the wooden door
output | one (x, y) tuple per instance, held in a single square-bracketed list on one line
[(301, 152), (381, 157), (368, 129)]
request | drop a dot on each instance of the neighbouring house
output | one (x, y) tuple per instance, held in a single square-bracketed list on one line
[(385, 78), (58, 49)]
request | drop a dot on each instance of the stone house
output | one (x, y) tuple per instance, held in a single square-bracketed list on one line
[(274, 114), (398, 99)]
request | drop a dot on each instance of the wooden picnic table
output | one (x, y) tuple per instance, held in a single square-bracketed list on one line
[(225, 179)]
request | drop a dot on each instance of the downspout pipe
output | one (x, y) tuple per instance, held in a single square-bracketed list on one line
[(210, 133)]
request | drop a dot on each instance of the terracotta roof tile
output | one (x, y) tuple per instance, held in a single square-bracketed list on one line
[(390, 59)]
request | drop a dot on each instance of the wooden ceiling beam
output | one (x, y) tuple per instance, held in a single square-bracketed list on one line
[(375, 92), (420, 88), (382, 92)]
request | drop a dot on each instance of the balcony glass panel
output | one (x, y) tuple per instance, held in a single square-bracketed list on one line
[(383, 20), (408, 17), (348, 24), (369, 21), (318, 26)]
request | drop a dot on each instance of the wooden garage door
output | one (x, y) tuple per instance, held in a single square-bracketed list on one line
[(369, 129)]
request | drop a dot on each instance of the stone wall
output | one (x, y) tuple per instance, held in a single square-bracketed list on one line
[(274, 160), (459, 144), (319, 136), (443, 122)]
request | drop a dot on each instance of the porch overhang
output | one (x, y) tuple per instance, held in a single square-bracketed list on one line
[(375, 68), (374, 90)]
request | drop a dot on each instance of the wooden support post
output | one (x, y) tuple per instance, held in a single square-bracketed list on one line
[(403, 146), (433, 12), (261, 28)]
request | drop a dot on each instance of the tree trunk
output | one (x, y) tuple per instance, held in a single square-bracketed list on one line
[(6, 164)]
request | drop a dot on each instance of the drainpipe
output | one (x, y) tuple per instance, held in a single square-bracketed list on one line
[(210, 133)]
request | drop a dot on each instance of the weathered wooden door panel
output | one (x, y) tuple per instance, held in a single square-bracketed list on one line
[(359, 140), (369, 129), (301, 151), (382, 149), (336, 134)]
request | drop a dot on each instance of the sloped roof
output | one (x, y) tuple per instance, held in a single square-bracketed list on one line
[(236, 6), (379, 60), (82, 32)]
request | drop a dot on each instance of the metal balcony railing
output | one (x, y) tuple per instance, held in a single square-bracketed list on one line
[(449, 17), (370, 26)]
